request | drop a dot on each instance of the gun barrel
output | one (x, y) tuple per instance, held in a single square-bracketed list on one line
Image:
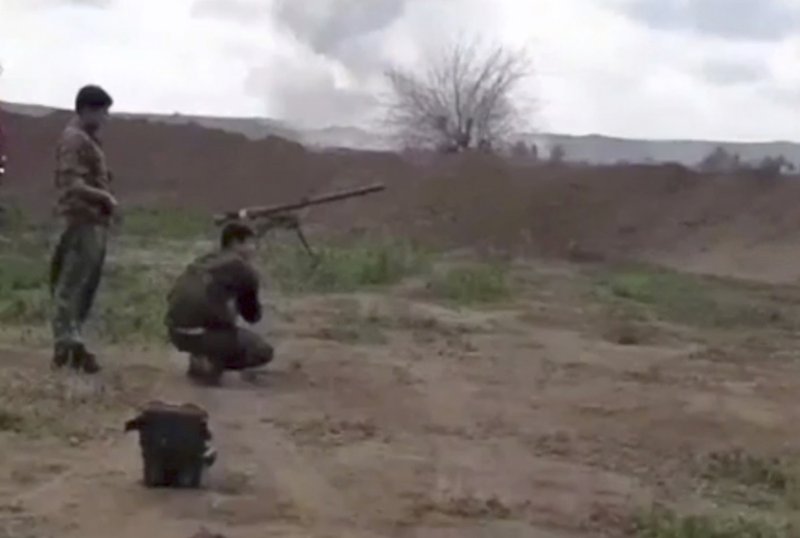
[(265, 211)]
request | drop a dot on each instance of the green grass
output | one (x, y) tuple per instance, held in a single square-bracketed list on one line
[(131, 300), (13, 220), (132, 297), (692, 300), (343, 268), (11, 422), (158, 223), (753, 480), (664, 523), (472, 284), (23, 289), (754, 498), (772, 473), (131, 304)]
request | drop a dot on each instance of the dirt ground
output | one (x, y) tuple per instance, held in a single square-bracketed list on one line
[(388, 414)]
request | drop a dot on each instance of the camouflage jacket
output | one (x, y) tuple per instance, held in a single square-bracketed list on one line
[(80, 160), (212, 291)]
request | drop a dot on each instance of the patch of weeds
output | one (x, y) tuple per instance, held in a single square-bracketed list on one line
[(24, 297), (472, 284), (131, 304), (628, 334), (327, 431), (747, 475), (626, 325), (665, 523), (166, 223), (426, 329), (11, 422), (343, 268), (353, 326), (13, 220), (21, 273), (469, 507), (687, 299), (750, 470)]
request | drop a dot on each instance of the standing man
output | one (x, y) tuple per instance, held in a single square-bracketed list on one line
[(86, 205), (205, 302)]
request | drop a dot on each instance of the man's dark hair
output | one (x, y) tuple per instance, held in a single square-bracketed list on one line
[(235, 232), (92, 96)]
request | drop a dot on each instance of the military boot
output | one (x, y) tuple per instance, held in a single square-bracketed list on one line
[(61, 356), (84, 360), (203, 370)]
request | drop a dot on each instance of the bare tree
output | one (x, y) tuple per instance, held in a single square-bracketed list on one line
[(558, 154), (468, 97)]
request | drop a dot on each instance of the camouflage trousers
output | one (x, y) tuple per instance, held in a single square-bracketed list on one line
[(75, 271), (232, 348)]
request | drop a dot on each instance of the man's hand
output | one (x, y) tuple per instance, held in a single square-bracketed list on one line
[(110, 202)]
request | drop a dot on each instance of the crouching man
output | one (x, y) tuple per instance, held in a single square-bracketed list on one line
[(205, 302)]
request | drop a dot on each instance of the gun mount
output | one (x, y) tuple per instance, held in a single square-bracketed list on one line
[(281, 216)]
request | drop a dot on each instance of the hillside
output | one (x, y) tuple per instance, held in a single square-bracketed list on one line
[(732, 225), (594, 149), (598, 149)]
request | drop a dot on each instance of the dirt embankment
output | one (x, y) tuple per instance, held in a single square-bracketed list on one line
[(734, 225)]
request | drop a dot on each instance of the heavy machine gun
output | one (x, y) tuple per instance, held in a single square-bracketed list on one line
[(282, 216)]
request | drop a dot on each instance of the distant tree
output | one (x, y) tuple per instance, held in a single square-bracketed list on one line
[(520, 149), (468, 97), (558, 154), (771, 167), (720, 161)]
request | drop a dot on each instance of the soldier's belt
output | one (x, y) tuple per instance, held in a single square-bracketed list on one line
[(189, 330)]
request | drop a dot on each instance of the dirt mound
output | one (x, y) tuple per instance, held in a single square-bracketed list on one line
[(723, 224)]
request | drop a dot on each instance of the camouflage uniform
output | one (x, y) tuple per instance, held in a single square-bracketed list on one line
[(203, 307), (78, 259)]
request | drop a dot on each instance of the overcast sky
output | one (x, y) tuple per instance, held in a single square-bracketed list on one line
[(721, 69)]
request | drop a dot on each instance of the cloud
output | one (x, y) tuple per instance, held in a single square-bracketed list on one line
[(90, 3), (308, 97), (331, 55), (725, 72), (44, 4), (642, 68), (331, 24), (241, 11), (766, 20)]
